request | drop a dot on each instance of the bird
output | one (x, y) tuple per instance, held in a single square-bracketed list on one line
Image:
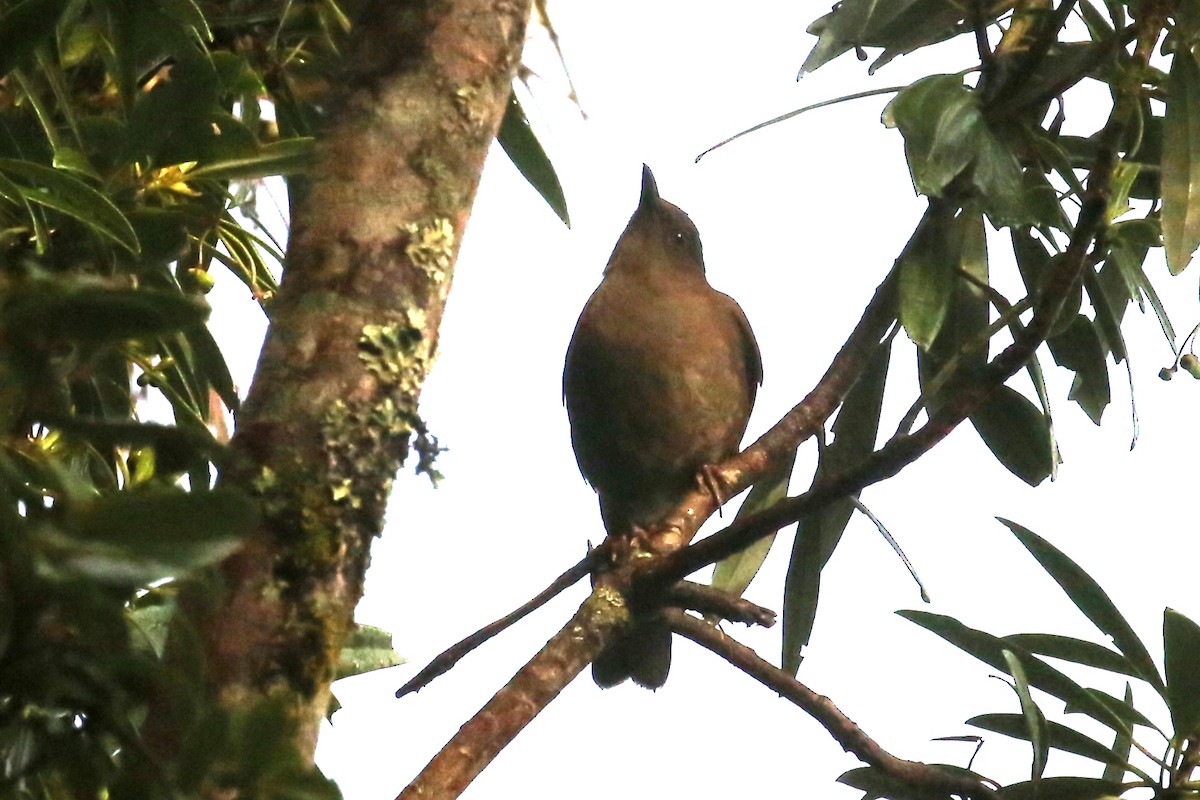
[(660, 377)]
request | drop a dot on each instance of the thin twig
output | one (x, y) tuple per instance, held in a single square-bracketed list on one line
[(936, 781), (446, 660)]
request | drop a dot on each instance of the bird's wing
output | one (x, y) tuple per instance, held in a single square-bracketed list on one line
[(754, 369)]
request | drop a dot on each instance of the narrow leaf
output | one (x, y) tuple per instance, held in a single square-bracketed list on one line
[(1180, 173), (1089, 598), (63, 192), (1063, 788), (522, 146), (927, 275), (1181, 638), (1059, 736), (286, 157), (818, 534), (989, 649), (734, 573), (1121, 749), (1077, 651), (1031, 715)]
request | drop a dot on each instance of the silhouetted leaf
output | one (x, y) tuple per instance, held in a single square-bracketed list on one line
[(1078, 651), (1091, 599), (818, 534), (876, 783), (1122, 747), (1063, 788), (1181, 639), (734, 573), (1058, 736), (989, 649), (1181, 161), (1032, 717), (1016, 432), (523, 147)]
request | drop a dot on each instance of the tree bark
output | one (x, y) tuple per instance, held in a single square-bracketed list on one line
[(332, 412)]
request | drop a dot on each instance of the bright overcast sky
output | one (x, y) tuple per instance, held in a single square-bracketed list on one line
[(799, 222)]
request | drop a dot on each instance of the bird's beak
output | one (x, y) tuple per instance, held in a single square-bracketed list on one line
[(649, 189)]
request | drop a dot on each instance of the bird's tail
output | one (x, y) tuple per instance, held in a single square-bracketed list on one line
[(644, 654)]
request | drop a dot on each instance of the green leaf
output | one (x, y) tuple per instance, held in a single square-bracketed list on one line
[(1122, 747), (898, 26), (1089, 598), (366, 649), (927, 274), (1063, 788), (1077, 651), (523, 147), (1181, 161), (877, 783), (961, 345), (1016, 432), (132, 538), (172, 122), (1181, 639), (286, 157), (1116, 705), (941, 124), (1078, 348), (210, 364), (1059, 736), (95, 313), (63, 192), (818, 534), (999, 179), (989, 649), (734, 573), (175, 448), (1031, 715), (24, 27)]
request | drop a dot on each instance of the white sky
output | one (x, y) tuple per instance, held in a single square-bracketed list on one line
[(799, 222)]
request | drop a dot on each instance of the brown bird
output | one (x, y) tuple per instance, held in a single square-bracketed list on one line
[(660, 377)]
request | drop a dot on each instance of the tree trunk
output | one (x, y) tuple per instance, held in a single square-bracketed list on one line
[(332, 412)]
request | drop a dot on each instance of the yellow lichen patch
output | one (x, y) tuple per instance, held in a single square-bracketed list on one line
[(431, 247), (396, 353)]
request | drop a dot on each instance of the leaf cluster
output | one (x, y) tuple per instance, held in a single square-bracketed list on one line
[(1022, 657), (134, 140), (1006, 166)]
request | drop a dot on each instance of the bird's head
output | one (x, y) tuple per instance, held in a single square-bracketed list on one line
[(659, 236)]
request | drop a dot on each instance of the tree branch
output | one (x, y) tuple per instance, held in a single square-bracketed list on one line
[(447, 659), (931, 779)]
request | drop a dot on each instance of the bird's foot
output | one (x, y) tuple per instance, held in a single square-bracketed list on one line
[(712, 481)]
